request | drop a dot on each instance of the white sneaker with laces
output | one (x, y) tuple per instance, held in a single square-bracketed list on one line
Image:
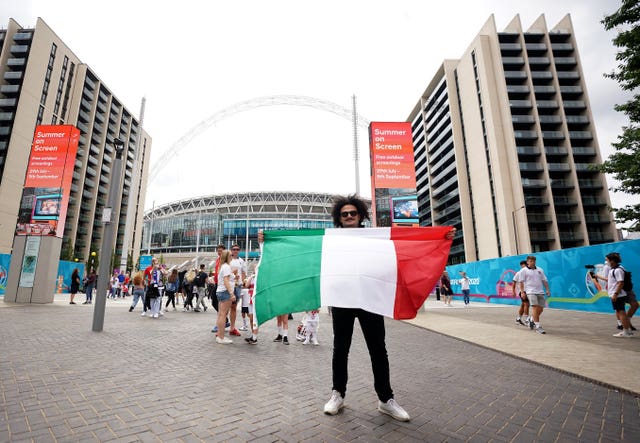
[(623, 334), (243, 328), (223, 341), (335, 403), (393, 409)]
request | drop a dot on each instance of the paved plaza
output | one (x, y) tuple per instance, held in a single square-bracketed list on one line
[(166, 380)]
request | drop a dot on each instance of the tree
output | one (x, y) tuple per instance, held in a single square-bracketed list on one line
[(624, 164), (66, 252)]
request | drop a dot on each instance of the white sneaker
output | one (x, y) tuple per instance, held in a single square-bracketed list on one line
[(314, 341), (335, 403), (223, 341), (143, 314), (393, 409), (161, 313), (306, 342), (623, 334), (155, 315), (243, 328)]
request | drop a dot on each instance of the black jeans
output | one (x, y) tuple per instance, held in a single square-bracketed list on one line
[(372, 326), (171, 298)]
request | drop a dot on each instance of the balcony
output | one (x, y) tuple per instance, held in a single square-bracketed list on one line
[(565, 201), (590, 184), (577, 119), (599, 237), (568, 75), (535, 201), (550, 119), (553, 135), (512, 61), (570, 61), (555, 150), (19, 63), (574, 104), (592, 201), (544, 90), (517, 89), (541, 236), (567, 219), (13, 77), (586, 167), (510, 47), (561, 48), (9, 89), (547, 104), (531, 166), (536, 47), (538, 218), (541, 75), (520, 75), (533, 183), (561, 184), (558, 167), (522, 119), (577, 151), (581, 135), (527, 150), (541, 61), (525, 135), (597, 219), (520, 104)]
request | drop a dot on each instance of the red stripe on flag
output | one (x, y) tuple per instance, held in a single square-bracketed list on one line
[(422, 255)]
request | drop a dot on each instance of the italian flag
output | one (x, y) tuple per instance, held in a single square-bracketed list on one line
[(387, 271)]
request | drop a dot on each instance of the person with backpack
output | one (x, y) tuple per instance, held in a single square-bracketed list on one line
[(630, 299), (200, 282), (616, 288)]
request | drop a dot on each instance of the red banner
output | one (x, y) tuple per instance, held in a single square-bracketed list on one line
[(392, 159), (45, 197)]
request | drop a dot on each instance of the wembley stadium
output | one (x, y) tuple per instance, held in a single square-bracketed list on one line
[(188, 231)]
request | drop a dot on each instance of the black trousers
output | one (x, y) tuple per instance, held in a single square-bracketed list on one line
[(372, 326)]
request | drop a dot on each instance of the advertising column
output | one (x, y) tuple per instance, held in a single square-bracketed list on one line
[(42, 214), (393, 176)]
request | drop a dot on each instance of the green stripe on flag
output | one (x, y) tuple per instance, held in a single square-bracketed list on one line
[(289, 273)]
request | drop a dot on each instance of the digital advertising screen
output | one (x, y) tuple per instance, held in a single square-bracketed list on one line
[(404, 210), (47, 207)]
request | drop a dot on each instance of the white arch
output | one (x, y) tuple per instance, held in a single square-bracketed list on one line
[(258, 102)]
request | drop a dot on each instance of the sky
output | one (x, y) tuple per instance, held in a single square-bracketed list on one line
[(194, 61)]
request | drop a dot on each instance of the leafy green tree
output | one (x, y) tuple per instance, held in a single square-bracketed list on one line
[(624, 164), (66, 252)]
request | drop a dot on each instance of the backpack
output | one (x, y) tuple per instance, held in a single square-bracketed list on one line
[(627, 285)]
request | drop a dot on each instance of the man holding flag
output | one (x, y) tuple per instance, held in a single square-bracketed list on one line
[(364, 274)]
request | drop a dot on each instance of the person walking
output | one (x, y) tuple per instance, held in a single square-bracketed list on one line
[(75, 285), (465, 286), (172, 286), (615, 289), (138, 291), (91, 283), (524, 301), (200, 283), (533, 283), (445, 288)]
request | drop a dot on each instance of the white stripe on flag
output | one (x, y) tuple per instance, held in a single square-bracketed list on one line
[(350, 260)]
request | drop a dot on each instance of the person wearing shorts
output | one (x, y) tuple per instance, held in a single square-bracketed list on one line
[(533, 283)]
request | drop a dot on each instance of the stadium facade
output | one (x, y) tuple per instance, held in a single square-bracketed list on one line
[(190, 229)]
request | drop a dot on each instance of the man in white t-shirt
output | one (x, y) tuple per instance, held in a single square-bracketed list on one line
[(465, 287), (239, 268), (533, 284)]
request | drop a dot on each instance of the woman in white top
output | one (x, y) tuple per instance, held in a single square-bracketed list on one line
[(225, 295)]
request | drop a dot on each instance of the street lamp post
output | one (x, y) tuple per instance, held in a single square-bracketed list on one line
[(109, 223), (515, 226)]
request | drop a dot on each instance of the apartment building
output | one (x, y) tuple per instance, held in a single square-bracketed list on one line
[(43, 82), (505, 145)]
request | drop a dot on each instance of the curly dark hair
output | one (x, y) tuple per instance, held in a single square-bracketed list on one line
[(340, 201)]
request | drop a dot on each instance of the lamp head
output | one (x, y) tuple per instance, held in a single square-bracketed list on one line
[(119, 145)]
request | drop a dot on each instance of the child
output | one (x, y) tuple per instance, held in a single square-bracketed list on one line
[(312, 321)]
